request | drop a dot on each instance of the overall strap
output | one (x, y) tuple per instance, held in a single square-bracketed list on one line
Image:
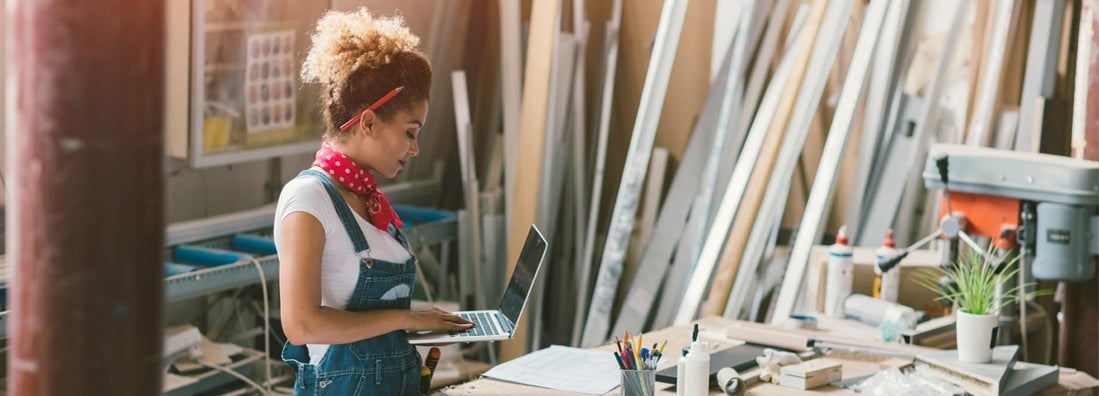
[(399, 235), (346, 217)]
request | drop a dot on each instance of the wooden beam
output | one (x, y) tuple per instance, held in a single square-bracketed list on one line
[(746, 213), (528, 172), (1080, 326), (86, 183)]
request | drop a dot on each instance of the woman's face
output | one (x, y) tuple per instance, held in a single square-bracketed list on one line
[(388, 146)]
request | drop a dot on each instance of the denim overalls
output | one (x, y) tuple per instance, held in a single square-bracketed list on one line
[(382, 365)]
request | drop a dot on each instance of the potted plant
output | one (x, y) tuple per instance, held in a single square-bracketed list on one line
[(971, 286)]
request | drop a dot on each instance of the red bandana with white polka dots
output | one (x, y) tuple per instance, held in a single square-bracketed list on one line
[(358, 180)]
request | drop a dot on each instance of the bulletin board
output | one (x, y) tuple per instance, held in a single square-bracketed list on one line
[(246, 99)]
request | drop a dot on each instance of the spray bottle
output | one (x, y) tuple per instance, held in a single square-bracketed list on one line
[(888, 278), (841, 275), (696, 380)]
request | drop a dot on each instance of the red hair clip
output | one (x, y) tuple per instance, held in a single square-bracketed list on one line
[(373, 106)]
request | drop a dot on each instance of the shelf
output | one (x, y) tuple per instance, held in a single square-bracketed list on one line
[(244, 272), (214, 379), (213, 280), (233, 26)]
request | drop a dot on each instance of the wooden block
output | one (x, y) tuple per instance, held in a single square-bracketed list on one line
[(811, 374), (766, 335), (976, 378)]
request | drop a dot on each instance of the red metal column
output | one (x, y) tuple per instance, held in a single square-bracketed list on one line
[(85, 222), (1079, 343)]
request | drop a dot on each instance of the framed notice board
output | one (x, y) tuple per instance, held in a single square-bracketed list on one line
[(234, 89)]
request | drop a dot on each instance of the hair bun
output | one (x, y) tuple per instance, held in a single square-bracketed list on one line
[(346, 41)]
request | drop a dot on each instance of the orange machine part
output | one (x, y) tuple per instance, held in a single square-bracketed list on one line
[(986, 214)]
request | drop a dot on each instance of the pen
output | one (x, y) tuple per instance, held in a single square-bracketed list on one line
[(373, 106), (618, 358)]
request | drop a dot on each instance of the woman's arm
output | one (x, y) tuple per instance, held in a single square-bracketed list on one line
[(305, 321)]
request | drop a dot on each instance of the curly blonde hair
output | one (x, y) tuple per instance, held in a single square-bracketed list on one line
[(358, 57)]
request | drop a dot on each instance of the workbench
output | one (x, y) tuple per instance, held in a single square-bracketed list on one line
[(713, 330)]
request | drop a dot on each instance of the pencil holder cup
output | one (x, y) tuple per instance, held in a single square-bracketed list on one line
[(638, 382)]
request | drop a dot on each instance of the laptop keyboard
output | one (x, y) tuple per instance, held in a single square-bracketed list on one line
[(483, 325)]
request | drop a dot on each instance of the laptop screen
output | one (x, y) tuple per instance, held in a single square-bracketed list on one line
[(526, 270)]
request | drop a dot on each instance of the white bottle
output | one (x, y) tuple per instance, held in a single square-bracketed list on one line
[(841, 275), (887, 283), (696, 379)]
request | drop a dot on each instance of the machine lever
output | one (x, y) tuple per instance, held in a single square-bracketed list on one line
[(976, 247), (942, 162), (888, 264)]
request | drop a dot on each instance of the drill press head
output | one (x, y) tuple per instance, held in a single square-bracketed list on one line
[(1059, 194)]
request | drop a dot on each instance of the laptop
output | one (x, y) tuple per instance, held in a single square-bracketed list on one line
[(498, 324)]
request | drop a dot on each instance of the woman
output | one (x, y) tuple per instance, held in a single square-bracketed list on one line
[(346, 275)]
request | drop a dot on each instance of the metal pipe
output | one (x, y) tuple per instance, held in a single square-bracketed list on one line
[(86, 196)]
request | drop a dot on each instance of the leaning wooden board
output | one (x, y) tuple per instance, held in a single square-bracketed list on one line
[(734, 245), (528, 177)]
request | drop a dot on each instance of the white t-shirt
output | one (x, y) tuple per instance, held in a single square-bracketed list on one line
[(339, 261)]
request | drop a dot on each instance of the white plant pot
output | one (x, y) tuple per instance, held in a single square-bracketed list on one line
[(976, 333)]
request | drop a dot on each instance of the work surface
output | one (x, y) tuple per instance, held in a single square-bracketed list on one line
[(714, 330)]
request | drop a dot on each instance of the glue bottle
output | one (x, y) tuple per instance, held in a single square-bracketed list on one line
[(841, 275), (696, 378), (886, 280)]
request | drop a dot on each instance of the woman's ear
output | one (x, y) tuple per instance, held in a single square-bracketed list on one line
[(367, 122)]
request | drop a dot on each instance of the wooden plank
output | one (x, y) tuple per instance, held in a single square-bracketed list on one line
[(982, 120), (753, 195), (689, 80), (1081, 92), (1081, 304), (670, 223), (539, 64), (177, 77), (895, 42), (471, 276), (812, 223), (486, 95), (828, 43), (1041, 68), (610, 67), (727, 16), (671, 307), (654, 188), (980, 30), (660, 249), (579, 183), (637, 158), (733, 201), (929, 118), (512, 86)]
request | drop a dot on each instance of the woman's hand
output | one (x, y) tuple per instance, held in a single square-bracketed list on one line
[(435, 319)]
